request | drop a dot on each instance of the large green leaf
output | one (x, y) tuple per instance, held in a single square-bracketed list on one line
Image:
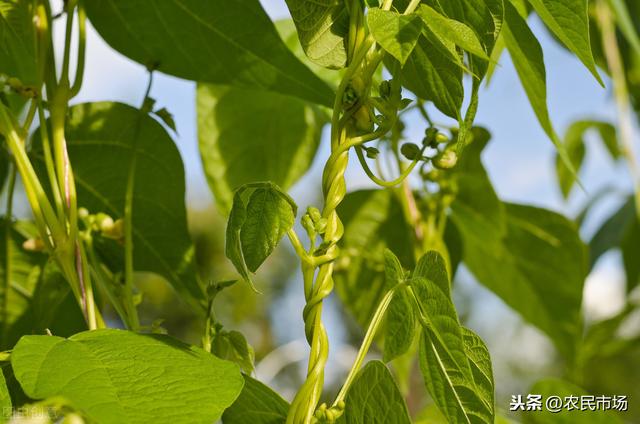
[(17, 40), (452, 30), (477, 211), (396, 33), (572, 395), (115, 376), (229, 42), (374, 398), (528, 60), (257, 404), (105, 142), (464, 393), (261, 215), (245, 136), (575, 146), (400, 320), (569, 21), (538, 268), (373, 220), (322, 27)]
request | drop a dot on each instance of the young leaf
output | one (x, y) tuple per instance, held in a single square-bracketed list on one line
[(233, 346), (452, 30), (115, 376), (104, 139), (432, 73), (246, 136), (564, 389), (528, 60), (374, 398), (261, 215), (322, 29), (400, 321), (445, 360), (574, 143), (232, 43), (569, 21), (396, 33), (373, 221), (257, 404), (537, 267)]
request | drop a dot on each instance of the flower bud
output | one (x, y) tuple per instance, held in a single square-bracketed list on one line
[(446, 159), (385, 89), (410, 151)]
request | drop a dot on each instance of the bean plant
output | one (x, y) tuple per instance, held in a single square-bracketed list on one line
[(106, 186)]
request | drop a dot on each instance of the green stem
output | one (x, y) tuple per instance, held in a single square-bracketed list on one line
[(388, 184), (369, 336), (128, 220), (82, 47), (48, 160), (621, 92)]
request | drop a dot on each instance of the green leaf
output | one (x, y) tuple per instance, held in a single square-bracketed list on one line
[(575, 147), (621, 230), (528, 60), (5, 400), (485, 17), (233, 43), (233, 346), (373, 221), (115, 376), (625, 24), (261, 215), (477, 211), (396, 33), (17, 40), (289, 34), (432, 73), (612, 231), (374, 398), (452, 30), (245, 136), (36, 296), (322, 28), (537, 267), (400, 320), (630, 254), (569, 21), (257, 404), (104, 141), (564, 389), (455, 364)]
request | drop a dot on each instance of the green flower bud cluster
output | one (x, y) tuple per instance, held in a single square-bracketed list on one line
[(102, 224), (14, 85), (326, 415)]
